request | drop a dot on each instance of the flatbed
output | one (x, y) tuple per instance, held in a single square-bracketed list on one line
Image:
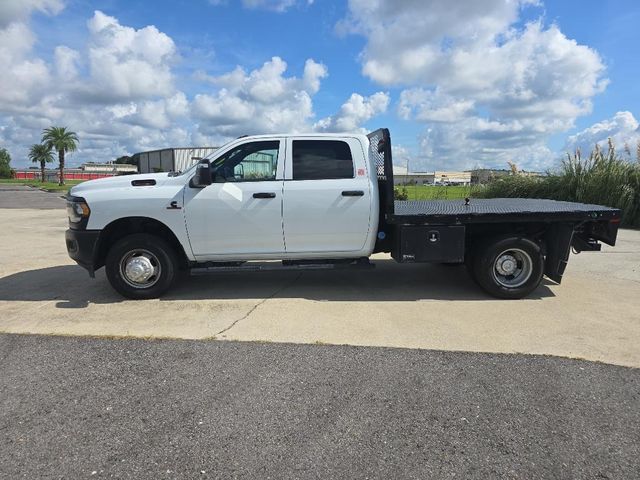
[(494, 210), (488, 235)]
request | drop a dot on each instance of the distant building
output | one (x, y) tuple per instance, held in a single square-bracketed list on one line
[(110, 167), (485, 175), (452, 178), (170, 159), (413, 179), (402, 177)]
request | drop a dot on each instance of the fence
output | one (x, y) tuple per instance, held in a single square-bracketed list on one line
[(53, 176)]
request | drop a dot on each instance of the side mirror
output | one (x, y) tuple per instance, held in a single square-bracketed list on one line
[(202, 178)]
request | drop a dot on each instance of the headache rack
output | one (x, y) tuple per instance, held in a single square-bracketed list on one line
[(380, 156)]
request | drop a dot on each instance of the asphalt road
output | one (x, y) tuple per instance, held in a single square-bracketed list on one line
[(20, 196), (85, 407)]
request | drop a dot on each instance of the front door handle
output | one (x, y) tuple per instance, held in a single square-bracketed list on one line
[(352, 193), (264, 195)]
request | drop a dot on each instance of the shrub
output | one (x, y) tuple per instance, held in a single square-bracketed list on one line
[(5, 160), (602, 179), (400, 193)]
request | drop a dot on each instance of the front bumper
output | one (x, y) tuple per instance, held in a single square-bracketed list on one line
[(81, 246)]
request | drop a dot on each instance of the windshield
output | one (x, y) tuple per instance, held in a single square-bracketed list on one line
[(179, 173)]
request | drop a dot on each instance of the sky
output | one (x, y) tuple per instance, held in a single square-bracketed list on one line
[(461, 84)]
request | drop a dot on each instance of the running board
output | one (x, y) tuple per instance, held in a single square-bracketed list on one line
[(359, 264)]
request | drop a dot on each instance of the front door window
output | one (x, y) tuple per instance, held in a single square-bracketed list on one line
[(250, 162)]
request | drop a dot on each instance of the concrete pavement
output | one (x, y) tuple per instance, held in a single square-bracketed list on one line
[(594, 314), (20, 196)]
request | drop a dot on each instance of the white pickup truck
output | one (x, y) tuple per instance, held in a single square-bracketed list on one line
[(313, 202)]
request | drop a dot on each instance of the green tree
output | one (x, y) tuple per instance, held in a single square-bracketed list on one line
[(126, 160), (62, 141), (5, 160), (42, 154)]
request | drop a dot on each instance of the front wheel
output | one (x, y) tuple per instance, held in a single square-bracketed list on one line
[(508, 267), (141, 266)]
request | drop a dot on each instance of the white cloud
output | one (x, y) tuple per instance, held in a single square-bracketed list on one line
[(432, 106), (476, 142), (119, 96), (66, 61), (127, 71), (128, 64), (622, 128), (402, 158), (273, 5), (20, 10), (276, 5), (313, 73), (159, 114), (25, 78), (261, 101), (354, 112), (486, 87), (410, 41)]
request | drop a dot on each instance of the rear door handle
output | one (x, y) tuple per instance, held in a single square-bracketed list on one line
[(352, 193), (264, 195)]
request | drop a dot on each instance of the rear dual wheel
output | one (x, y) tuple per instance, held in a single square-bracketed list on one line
[(508, 267)]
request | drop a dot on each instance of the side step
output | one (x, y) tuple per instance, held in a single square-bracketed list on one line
[(339, 264)]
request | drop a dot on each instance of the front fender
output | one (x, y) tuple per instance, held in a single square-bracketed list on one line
[(82, 246)]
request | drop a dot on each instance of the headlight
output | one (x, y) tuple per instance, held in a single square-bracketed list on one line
[(78, 212)]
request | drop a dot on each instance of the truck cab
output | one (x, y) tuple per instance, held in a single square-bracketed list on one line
[(282, 197), (268, 197)]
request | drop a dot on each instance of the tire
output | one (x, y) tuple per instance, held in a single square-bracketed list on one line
[(141, 266), (509, 268)]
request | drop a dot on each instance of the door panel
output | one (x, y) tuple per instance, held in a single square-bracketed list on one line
[(318, 218), (225, 218), (325, 215), (241, 213)]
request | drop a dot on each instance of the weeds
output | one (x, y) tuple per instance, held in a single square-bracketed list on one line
[(604, 178)]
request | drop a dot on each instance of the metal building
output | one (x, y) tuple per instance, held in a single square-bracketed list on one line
[(170, 159)]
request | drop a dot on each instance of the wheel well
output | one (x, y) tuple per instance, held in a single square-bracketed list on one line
[(554, 240), (479, 233), (126, 226)]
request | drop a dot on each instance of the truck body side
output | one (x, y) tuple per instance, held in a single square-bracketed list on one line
[(314, 201), (309, 218)]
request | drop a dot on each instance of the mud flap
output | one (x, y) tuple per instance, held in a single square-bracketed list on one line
[(558, 239)]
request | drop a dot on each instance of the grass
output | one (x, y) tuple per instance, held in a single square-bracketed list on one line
[(46, 186), (602, 179), (434, 192)]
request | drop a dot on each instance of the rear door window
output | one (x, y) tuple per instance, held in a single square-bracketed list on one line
[(321, 160)]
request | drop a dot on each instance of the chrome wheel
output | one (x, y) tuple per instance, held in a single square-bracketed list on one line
[(140, 268), (512, 268)]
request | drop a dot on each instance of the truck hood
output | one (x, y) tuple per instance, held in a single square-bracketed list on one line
[(120, 181)]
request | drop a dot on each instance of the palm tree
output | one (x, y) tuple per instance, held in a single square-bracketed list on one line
[(41, 153), (62, 140)]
